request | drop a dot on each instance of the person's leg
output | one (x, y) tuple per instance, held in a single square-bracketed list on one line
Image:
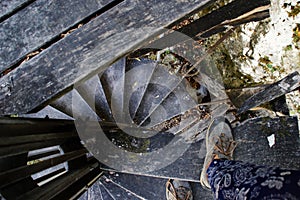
[(230, 179), (237, 180), (219, 145)]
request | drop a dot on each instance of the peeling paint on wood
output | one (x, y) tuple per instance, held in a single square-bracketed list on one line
[(39, 23), (87, 51)]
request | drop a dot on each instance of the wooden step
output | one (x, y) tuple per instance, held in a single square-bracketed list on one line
[(137, 78), (162, 83), (143, 187), (254, 146), (92, 92), (75, 106), (252, 138), (112, 81), (117, 191), (83, 53), (54, 188), (96, 191), (47, 112), (42, 158), (177, 102), (8, 8), (200, 193), (38, 24)]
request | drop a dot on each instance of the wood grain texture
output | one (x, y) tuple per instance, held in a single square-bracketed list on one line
[(116, 191), (60, 184), (87, 51), (252, 138), (74, 105), (215, 22), (143, 186), (39, 23), (72, 192), (47, 112), (25, 148), (14, 175), (92, 92), (6, 141), (253, 145), (8, 7), (12, 127), (226, 13)]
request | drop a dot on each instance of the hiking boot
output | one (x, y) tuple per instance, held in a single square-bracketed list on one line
[(219, 145), (178, 190)]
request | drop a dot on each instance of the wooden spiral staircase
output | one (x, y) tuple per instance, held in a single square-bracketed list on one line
[(60, 67)]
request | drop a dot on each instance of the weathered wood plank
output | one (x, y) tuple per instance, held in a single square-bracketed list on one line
[(21, 126), (50, 175), (43, 155), (104, 192), (146, 187), (284, 86), (201, 193), (215, 22), (206, 25), (24, 148), (80, 186), (117, 191), (111, 78), (14, 175), (47, 112), (52, 189), (8, 7), (39, 23), (92, 92), (252, 147), (19, 130), (88, 51), (74, 105), (239, 96), (6, 141)]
